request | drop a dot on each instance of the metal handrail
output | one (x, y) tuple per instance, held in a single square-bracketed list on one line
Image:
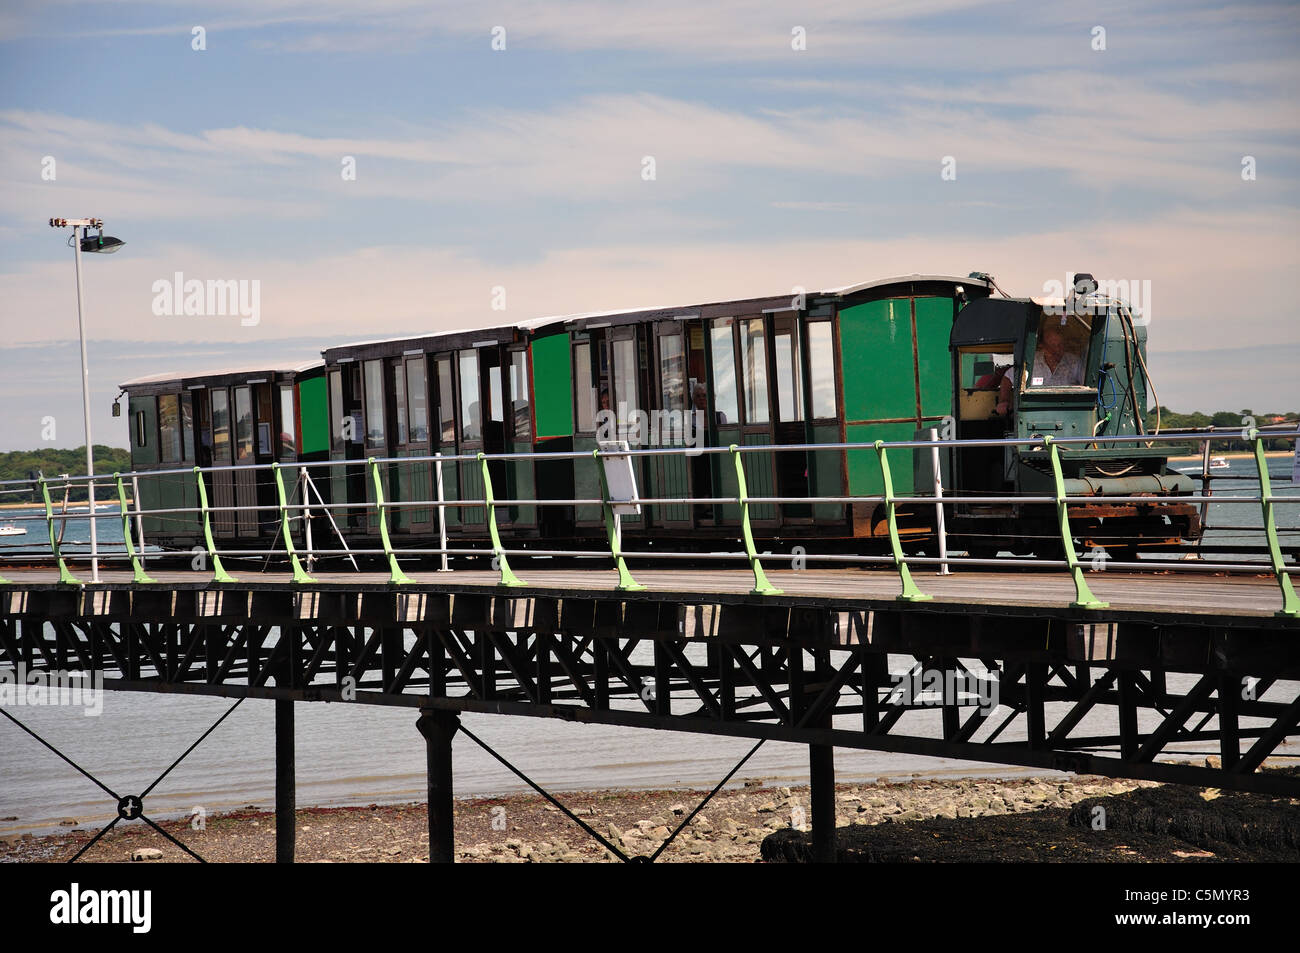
[(1051, 447)]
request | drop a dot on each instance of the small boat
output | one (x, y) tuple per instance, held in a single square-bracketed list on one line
[(1219, 463), (10, 530)]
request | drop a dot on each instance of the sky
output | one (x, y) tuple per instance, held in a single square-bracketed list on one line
[(397, 167)]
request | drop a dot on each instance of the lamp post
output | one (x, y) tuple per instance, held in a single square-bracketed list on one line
[(99, 244)]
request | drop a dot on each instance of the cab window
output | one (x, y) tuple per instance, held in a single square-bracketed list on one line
[(1060, 351)]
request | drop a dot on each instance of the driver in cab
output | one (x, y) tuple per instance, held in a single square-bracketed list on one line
[(1055, 364)]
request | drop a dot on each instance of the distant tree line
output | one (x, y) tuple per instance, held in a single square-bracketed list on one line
[(26, 464), (1229, 420)]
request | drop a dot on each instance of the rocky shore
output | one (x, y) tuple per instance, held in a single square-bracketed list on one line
[(924, 819)]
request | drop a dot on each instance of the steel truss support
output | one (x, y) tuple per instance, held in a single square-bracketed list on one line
[(1100, 691)]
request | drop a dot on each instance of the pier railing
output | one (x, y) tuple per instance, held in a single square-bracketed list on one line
[(291, 514)]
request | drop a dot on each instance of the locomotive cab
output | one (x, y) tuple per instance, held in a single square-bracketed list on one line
[(1029, 369)]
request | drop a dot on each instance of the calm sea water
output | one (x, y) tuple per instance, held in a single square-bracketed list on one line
[(354, 754)]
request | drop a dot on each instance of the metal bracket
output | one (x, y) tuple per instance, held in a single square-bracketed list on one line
[(219, 573), (910, 591), (761, 586), (137, 568), (1083, 597)]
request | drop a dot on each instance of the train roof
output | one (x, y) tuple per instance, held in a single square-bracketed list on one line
[(230, 375), (469, 337)]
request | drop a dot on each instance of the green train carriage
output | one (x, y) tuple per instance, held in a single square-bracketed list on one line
[(235, 418)]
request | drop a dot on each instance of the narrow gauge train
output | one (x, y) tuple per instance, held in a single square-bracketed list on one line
[(234, 418), (880, 360)]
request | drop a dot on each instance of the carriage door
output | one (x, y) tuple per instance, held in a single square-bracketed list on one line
[(631, 423), (223, 481), (757, 426), (521, 475), (444, 435), (668, 475), (790, 426), (470, 418), (245, 459)]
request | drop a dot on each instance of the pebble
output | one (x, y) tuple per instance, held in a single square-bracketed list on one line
[(146, 853)]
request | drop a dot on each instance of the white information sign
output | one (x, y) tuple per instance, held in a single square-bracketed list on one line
[(620, 477)]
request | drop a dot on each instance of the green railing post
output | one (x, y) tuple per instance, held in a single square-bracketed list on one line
[(136, 566), (64, 575), (299, 575), (910, 591), (1290, 604), (625, 581), (396, 576), (1083, 597), (508, 578), (219, 573), (761, 586)]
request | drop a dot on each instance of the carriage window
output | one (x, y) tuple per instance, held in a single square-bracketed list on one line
[(220, 427), (187, 426), (446, 407), (471, 415), (624, 399), (398, 375), (494, 393), (821, 369), (376, 431), (753, 354), (789, 382), (672, 372), (417, 400), (288, 422), (725, 406), (243, 424), (169, 428), (336, 408), (519, 393), (584, 391), (141, 431)]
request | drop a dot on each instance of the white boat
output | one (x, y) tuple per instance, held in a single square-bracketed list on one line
[(10, 530), (1218, 463)]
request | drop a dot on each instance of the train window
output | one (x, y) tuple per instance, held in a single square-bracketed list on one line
[(288, 422), (417, 400), (725, 406), (243, 424), (672, 372), (220, 427), (494, 394), (753, 355), (519, 394), (376, 431), (789, 379), (1061, 351), (169, 428), (265, 417), (624, 400), (584, 390), (187, 426), (471, 415), (336, 408), (821, 369), (141, 431), (398, 375), (446, 405)]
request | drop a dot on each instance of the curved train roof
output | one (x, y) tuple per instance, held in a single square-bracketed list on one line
[(451, 340), (211, 376)]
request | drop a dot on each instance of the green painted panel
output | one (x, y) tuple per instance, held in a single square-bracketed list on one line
[(521, 485), (760, 476), (553, 386), (933, 329), (313, 400), (148, 406), (824, 474), (586, 481), (864, 465), (876, 360)]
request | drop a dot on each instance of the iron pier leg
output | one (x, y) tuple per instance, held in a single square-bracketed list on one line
[(285, 783), (438, 728), (821, 776)]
